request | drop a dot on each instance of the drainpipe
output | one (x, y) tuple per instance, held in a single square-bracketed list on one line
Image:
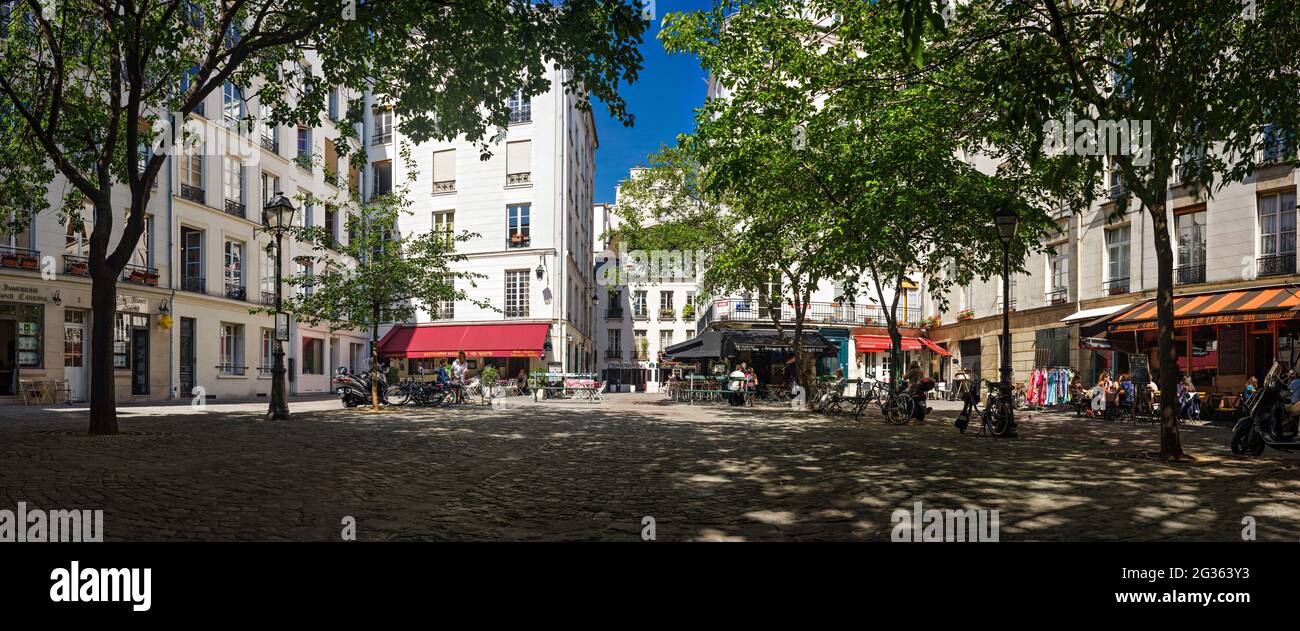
[(171, 280)]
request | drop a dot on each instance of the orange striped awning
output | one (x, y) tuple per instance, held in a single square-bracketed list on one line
[(1259, 304)]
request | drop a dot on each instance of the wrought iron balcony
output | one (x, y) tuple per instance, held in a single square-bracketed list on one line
[(614, 353), (236, 291), (513, 179), (271, 143), (382, 138), (518, 240), (19, 258), (614, 313), (1276, 265), (1058, 296), (667, 314), (1116, 286), (140, 275), (268, 298), (76, 265), (1189, 274), (747, 310), (522, 113), (445, 186), (195, 284), (234, 207), (640, 314), (193, 193)]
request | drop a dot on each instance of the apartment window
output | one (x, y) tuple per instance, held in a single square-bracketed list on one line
[(1060, 274), (1117, 188), (517, 293), (267, 351), (1190, 228), (268, 275), (191, 259), (143, 254), (187, 79), (1277, 221), (313, 356), (666, 311), (233, 270), (231, 345), (521, 108), (332, 226), (1117, 259), (1277, 144), (304, 143), (383, 177), (640, 344), (192, 175), (333, 104), (444, 171), (123, 326), (447, 308), (270, 184), (306, 270), (615, 341), (519, 166), (76, 241), (270, 134), (639, 307), (233, 185), (444, 224), (234, 108), (517, 223), (383, 125), (665, 340)]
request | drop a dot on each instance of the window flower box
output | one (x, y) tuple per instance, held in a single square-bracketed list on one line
[(965, 314)]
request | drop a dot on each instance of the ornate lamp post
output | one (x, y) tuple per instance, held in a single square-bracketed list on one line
[(278, 216), (1006, 220)]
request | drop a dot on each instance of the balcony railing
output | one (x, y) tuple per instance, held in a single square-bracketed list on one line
[(76, 265), (19, 258), (518, 240), (382, 138), (614, 313), (1115, 286), (268, 298), (641, 356), (1058, 296), (1276, 265), (236, 291), (668, 314), (271, 143), (229, 368), (640, 314), (513, 179), (193, 193), (445, 186), (614, 353), (234, 207), (1118, 189), (140, 275), (745, 310), (193, 283), (1189, 274)]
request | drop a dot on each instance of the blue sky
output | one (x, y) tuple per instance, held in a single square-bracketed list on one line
[(663, 99)]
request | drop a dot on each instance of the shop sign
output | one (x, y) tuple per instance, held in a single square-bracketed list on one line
[(132, 304), (19, 293), (1231, 318)]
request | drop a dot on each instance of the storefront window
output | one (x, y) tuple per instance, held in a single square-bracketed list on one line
[(122, 327), (1205, 355), (30, 321)]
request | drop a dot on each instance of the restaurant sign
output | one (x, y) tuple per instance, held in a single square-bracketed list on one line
[(1231, 318), (19, 293)]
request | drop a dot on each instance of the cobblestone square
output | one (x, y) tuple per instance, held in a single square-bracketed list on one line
[(573, 471)]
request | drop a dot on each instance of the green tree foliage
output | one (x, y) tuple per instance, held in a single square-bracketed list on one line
[(87, 88)]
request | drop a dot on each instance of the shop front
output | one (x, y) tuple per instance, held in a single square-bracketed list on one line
[(510, 348), (768, 353), (1221, 339), (915, 349)]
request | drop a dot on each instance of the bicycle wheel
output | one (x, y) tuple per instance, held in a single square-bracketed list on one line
[(998, 418), (397, 395), (900, 410)]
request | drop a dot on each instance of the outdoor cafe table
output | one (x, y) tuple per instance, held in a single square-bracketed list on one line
[(575, 386)]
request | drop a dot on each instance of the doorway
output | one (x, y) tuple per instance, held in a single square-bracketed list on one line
[(140, 365), (8, 357), (187, 357), (1261, 353), (74, 353)]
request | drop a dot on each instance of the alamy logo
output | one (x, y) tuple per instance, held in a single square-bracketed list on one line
[(56, 526), (1087, 137), (95, 585), (920, 524)]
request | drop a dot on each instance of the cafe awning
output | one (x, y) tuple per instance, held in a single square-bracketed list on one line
[(1260, 304), (766, 341), (882, 344), (707, 345), (1086, 315), (477, 340)]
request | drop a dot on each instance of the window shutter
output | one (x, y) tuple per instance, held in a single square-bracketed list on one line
[(519, 157), (444, 166)]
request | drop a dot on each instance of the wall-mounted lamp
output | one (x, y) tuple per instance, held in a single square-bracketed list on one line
[(56, 298), (540, 271), (163, 307)]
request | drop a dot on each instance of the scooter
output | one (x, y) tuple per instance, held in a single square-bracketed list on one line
[(1270, 423), (919, 409), (352, 392)]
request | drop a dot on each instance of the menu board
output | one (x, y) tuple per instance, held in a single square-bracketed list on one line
[(1141, 373), (1232, 350)]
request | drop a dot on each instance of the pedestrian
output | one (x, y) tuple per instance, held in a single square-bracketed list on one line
[(458, 369), (737, 387), (1188, 401), (523, 381)]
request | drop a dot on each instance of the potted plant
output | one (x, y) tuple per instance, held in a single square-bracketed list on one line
[(645, 348), (688, 311), (28, 261), (9, 259), (151, 279), (490, 378), (79, 268), (965, 314), (137, 276), (931, 322)]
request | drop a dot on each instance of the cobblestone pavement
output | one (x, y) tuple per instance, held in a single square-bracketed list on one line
[(573, 471)]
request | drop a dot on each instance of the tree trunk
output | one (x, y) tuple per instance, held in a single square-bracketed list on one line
[(1171, 443), (374, 359), (103, 309)]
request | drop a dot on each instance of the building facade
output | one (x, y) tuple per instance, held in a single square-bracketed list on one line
[(530, 207), (1087, 304), (183, 323)]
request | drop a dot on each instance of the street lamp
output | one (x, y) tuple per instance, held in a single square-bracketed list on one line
[(278, 216), (1006, 220)]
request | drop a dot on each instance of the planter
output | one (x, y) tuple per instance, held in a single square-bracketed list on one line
[(137, 277), (79, 269), (151, 279), (965, 315), (28, 262), (9, 260)]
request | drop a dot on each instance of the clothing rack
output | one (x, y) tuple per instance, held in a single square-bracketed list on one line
[(1048, 387)]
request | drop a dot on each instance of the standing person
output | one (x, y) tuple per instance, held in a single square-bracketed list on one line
[(737, 386), (1188, 402), (458, 369), (523, 381)]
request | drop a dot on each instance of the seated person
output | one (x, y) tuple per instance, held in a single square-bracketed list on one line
[(1252, 386), (833, 391), (1126, 390), (1188, 402), (1099, 394)]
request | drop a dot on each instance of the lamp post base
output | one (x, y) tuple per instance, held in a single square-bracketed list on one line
[(279, 410)]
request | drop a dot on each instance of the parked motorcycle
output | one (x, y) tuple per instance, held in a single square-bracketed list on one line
[(1270, 423), (352, 392)]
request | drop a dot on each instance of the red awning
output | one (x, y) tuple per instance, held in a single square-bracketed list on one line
[(477, 340), (881, 344)]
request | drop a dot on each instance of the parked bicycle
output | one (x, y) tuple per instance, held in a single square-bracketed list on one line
[(997, 415)]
